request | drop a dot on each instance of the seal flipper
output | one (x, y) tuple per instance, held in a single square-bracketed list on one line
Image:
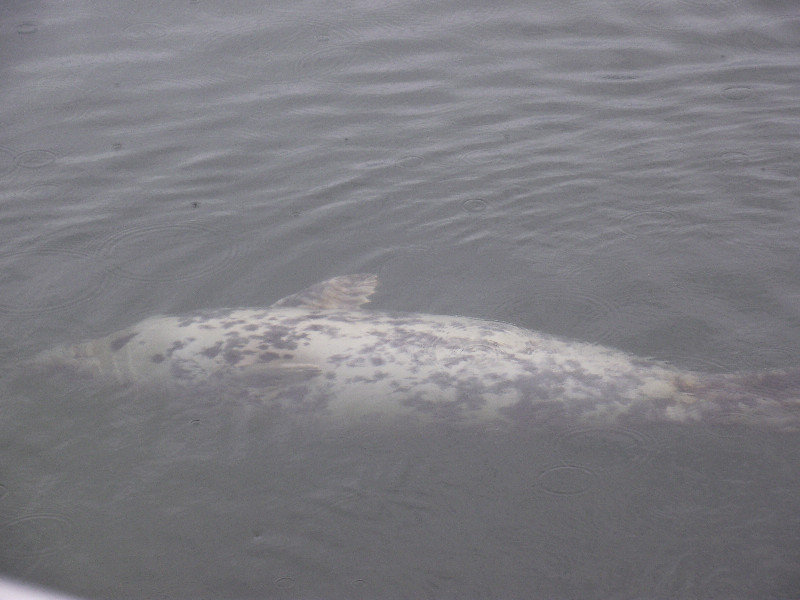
[(347, 291)]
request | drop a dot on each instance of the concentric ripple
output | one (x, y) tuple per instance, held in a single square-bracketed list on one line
[(43, 280), (570, 313), (34, 536), (34, 159), (284, 583), (7, 161), (605, 447), (567, 480), (169, 252), (648, 223), (144, 31), (27, 27), (738, 92), (474, 205)]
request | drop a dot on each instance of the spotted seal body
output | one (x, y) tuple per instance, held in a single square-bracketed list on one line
[(319, 352)]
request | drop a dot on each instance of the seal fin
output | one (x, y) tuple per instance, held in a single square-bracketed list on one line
[(347, 291)]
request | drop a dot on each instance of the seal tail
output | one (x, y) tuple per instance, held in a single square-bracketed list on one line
[(769, 398)]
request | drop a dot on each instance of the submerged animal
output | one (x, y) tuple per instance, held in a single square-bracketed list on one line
[(319, 352)]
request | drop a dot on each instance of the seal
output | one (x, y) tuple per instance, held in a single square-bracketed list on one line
[(320, 352)]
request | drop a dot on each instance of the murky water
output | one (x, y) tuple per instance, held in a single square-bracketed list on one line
[(623, 172)]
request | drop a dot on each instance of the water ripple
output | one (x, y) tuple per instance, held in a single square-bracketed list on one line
[(37, 281), (567, 480), (7, 161), (606, 447), (35, 159), (144, 31), (33, 536), (27, 27), (567, 311), (169, 252)]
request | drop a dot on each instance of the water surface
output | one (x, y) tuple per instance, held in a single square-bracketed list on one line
[(624, 172)]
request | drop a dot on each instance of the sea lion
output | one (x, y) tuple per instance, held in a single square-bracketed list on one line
[(319, 352)]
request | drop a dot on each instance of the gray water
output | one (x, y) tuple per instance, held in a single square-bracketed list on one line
[(623, 172)]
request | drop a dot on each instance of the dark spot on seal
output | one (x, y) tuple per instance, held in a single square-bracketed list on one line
[(175, 346), (288, 356), (251, 327), (120, 342), (377, 361), (282, 338), (179, 371), (232, 356), (377, 376), (268, 356), (157, 358), (212, 351), (338, 359)]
